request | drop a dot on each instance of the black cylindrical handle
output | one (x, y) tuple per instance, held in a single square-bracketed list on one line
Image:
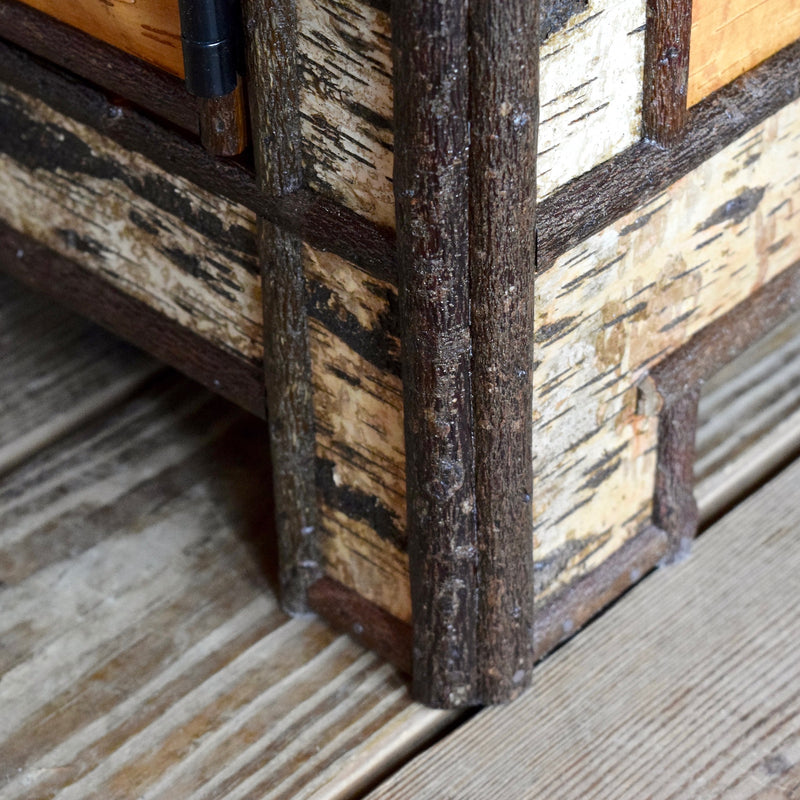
[(208, 33)]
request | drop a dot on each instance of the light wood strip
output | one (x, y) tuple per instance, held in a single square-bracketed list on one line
[(57, 371), (749, 418), (148, 29), (144, 654), (731, 37), (688, 688)]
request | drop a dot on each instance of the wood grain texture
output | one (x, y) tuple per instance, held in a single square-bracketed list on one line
[(101, 63), (504, 103), (147, 29), (666, 69), (702, 703), (749, 418), (431, 182), (271, 43), (144, 650), (120, 216), (606, 315), (732, 37), (57, 371), (594, 200)]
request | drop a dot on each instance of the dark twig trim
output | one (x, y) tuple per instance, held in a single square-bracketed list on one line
[(368, 624), (666, 69), (592, 201), (270, 33), (431, 182), (504, 78)]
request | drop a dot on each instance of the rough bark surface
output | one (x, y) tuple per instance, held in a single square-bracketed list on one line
[(431, 182), (666, 69), (271, 40), (503, 126)]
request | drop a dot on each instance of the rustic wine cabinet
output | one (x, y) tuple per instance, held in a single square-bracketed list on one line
[(473, 268)]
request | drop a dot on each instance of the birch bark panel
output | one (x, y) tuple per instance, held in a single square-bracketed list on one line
[(358, 408), (344, 50), (615, 305), (591, 65), (147, 29), (590, 92), (183, 251), (729, 38)]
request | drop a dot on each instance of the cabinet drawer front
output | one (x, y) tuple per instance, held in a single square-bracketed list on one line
[(730, 37), (148, 29)]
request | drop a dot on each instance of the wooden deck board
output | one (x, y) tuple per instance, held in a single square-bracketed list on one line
[(144, 654), (749, 419), (688, 688), (56, 371)]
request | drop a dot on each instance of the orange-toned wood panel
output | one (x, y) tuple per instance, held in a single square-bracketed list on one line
[(149, 29), (730, 37)]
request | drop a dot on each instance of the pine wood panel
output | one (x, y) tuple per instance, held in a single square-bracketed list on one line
[(729, 38), (612, 307), (180, 249), (686, 688), (56, 371), (148, 29), (749, 418), (144, 652)]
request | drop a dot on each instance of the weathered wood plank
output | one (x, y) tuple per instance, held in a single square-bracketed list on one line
[(148, 29), (749, 418), (686, 688), (144, 650), (729, 38), (57, 372), (614, 306)]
